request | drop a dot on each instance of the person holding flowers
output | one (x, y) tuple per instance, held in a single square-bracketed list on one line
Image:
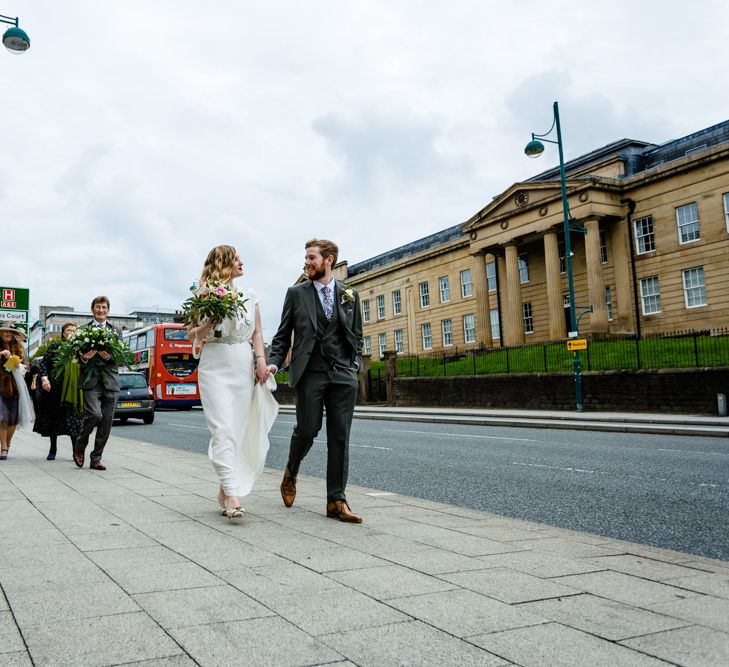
[(59, 412), (16, 408), (224, 323), (99, 352)]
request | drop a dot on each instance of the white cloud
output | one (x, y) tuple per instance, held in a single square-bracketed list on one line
[(138, 135)]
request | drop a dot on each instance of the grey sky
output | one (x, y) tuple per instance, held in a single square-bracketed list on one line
[(137, 135)]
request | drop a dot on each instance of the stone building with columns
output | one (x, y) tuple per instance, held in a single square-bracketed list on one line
[(650, 255)]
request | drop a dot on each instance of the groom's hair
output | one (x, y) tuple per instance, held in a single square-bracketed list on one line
[(326, 247)]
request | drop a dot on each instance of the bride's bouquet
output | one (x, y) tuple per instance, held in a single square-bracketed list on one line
[(213, 302)]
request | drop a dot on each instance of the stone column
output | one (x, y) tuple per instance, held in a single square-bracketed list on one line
[(481, 292), (390, 373), (363, 379), (513, 322), (595, 280), (557, 328), (410, 316), (623, 311)]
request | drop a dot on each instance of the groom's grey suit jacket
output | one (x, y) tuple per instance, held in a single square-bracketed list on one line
[(299, 318)]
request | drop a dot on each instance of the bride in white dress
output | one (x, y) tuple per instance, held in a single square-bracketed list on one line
[(239, 412)]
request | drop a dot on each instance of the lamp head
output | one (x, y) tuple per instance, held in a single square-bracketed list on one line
[(16, 40), (534, 148)]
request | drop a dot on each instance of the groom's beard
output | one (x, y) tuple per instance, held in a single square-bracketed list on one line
[(315, 274)]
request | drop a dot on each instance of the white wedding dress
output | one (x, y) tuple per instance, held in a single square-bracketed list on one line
[(239, 411)]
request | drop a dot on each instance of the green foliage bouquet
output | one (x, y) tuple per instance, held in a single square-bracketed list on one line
[(212, 302), (85, 339)]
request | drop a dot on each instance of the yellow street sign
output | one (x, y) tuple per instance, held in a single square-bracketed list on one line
[(577, 344)]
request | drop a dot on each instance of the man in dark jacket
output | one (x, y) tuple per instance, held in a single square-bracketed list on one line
[(100, 391)]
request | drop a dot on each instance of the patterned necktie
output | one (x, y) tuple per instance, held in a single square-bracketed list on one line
[(327, 302)]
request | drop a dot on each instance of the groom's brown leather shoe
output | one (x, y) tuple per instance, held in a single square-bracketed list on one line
[(78, 458), (97, 465), (288, 488), (339, 509)]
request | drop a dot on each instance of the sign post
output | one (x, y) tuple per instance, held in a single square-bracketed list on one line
[(15, 306)]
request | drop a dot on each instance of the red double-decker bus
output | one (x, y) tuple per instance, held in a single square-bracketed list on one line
[(164, 354)]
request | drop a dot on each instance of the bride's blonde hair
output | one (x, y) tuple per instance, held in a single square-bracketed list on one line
[(219, 264)]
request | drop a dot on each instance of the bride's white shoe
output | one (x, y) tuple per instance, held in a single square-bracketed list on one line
[(232, 512)]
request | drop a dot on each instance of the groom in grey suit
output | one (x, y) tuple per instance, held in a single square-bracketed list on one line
[(325, 319)]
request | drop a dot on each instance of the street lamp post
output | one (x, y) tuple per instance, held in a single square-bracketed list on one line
[(15, 39), (534, 149)]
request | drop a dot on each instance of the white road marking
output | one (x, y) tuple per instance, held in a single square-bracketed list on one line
[(460, 435), (288, 437), (585, 471), (204, 428)]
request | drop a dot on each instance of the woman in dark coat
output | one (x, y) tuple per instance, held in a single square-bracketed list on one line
[(55, 417)]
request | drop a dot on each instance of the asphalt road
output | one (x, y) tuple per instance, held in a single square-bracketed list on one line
[(666, 491)]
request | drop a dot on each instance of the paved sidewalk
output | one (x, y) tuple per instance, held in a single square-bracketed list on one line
[(135, 566)]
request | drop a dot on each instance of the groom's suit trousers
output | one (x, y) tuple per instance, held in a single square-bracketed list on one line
[(335, 390)]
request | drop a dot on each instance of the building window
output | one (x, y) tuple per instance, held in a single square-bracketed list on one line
[(367, 347), (526, 311), (650, 295), (469, 329), (562, 260), (380, 307), (494, 321), (427, 336), (446, 328), (399, 341), (694, 290), (445, 289), (396, 302), (491, 276), (644, 239), (726, 210), (603, 246), (523, 269), (609, 303), (424, 295), (687, 218), (382, 342), (366, 310), (466, 285)]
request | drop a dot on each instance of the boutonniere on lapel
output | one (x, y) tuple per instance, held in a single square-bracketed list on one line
[(347, 294)]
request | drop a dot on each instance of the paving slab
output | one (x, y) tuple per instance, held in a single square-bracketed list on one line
[(604, 618), (11, 642), (16, 659), (333, 610), (273, 642), (390, 581), (69, 601), (107, 640), (541, 563), (626, 588), (409, 643), (200, 606), (508, 585), (557, 645), (691, 646), (447, 610), (703, 610)]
